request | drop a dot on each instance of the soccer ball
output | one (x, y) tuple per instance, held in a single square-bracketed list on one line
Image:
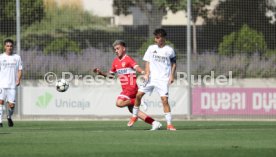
[(62, 85)]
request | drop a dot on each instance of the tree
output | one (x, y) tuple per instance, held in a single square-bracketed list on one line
[(230, 15), (30, 12), (246, 40), (198, 8), (153, 9), (156, 9)]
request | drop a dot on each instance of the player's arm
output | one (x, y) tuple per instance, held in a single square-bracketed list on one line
[(99, 72), (135, 66), (147, 70), (19, 72), (139, 69), (147, 58), (173, 68), (19, 76)]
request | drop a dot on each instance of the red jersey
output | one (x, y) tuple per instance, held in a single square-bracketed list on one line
[(126, 73)]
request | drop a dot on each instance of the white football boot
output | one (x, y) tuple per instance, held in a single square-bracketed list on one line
[(156, 125)]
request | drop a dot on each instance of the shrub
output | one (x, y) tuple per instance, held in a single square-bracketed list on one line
[(62, 46), (65, 19), (82, 27), (2, 38), (31, 11), (270, 53), (246, 40)]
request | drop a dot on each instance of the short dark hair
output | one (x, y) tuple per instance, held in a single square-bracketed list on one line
[(119, 42), (8, 41), (160, 31)]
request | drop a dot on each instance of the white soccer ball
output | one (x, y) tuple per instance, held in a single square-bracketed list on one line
[(62, 85)]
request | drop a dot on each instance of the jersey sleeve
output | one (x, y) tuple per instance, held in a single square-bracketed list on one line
[(132, 62), (172, 53), (172, 56), (147, 55)]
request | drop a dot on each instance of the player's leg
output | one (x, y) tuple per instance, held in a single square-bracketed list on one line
[(137, 103), (122, 103), (130, 104), (147, 119), (135, 111), (138, 98), (125, 102), (11, 94), (2, 98), (163, 90), (10, 113), (1, 111), (126, 98), (167, 111), (141, 92), (155, 124)]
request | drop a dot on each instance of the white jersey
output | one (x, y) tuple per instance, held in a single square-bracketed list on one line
[(160, 61), (9, 66)]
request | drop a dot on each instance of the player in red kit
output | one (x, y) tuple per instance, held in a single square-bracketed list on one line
[(125, 67)]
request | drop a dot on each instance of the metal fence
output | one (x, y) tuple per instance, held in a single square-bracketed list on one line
[(77, 35)]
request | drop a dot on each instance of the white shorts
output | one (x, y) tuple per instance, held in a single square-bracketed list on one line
[(161, 87), (8, 94)]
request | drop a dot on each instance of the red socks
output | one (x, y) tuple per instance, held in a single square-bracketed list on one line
[(149, 120)]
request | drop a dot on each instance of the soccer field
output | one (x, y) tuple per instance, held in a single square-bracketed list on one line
[(115, 139)]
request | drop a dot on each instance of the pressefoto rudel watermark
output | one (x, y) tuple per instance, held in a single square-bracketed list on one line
[(209, 79), (50, 78)]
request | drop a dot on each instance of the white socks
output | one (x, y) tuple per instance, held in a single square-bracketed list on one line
[(168, 117), (1, 112), (135, 111)]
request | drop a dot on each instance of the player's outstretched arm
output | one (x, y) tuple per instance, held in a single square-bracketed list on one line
[(139, 69), (99, 72)]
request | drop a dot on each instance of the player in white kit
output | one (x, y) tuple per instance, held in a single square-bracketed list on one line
[(160, 69), (10, 76)]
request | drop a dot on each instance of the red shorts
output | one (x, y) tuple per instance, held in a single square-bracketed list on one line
[(127, 94)]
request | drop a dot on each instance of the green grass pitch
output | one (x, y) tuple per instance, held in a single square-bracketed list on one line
[(115, 139)]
